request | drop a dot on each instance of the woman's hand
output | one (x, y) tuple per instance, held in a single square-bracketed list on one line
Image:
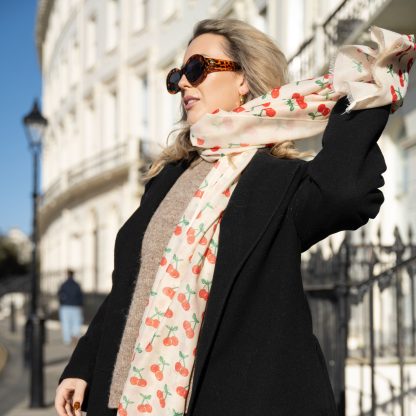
[(69, 396)]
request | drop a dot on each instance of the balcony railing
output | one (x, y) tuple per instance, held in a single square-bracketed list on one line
[(343, 26), (93, 167)]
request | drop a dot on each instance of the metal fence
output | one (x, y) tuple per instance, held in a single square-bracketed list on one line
[(362, 299)]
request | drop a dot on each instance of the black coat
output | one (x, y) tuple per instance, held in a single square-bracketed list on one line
[(256, 354)]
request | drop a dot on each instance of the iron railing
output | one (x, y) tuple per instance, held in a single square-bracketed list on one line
[(362, 299)]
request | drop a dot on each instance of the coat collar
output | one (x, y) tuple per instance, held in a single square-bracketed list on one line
[(265, 187)]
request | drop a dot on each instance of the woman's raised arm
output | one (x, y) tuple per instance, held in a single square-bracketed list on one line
[(340, 189)]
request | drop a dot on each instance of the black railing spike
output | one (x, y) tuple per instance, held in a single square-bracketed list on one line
[(363, 234), (398, 242), (348, 237), (379, 234), (331, 244), (410, 234)]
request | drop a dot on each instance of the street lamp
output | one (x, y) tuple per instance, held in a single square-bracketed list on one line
[(35, 125)]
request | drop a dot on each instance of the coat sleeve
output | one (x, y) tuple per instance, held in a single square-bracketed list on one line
[(339, 191)]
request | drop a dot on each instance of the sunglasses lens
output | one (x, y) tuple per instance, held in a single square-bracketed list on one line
[(194, 70), (173, 81)]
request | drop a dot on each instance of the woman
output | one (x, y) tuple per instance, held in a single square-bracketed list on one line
[(256, 353)]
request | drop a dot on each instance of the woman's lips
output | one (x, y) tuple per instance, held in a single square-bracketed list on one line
[(191, 103)]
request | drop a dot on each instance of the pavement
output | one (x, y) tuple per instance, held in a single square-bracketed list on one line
[(14, 377)]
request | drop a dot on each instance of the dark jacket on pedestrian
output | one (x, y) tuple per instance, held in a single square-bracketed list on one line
[(70, 293), (256, 354)]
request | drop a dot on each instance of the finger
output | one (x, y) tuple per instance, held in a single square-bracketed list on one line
[(68, 409), (78, 398), (60, 403), (77, 408)]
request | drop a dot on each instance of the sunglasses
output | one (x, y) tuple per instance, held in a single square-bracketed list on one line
[(196, 69)]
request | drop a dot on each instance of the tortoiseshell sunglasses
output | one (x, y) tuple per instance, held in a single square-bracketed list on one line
[(196, 69)]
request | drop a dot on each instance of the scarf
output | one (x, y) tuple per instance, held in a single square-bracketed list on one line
[(163, 358)]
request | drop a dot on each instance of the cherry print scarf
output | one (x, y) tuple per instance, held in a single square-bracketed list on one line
[(161, 366)]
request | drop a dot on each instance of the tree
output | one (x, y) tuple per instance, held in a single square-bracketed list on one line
[(10, 263)]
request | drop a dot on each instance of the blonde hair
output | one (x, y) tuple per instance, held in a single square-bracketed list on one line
[(254, 51)]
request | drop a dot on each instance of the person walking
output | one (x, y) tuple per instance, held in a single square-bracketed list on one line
[(207, 313), (71, 301)]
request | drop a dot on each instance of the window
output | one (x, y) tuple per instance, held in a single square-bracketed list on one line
[(110, 118), (138, 14), (169, 8), (112, 24), (91, 42), (139, 106), (89, 127), (73, 65)]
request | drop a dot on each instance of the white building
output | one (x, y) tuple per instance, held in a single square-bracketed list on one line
[(104, 64)]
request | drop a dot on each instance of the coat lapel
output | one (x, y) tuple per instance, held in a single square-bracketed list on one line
[(263, 191)]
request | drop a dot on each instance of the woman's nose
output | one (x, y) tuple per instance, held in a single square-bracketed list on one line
[(183, 82)]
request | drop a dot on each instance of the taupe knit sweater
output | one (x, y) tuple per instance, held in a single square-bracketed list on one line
[(155, 239)]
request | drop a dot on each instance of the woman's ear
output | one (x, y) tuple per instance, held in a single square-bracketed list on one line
[(243, 88)]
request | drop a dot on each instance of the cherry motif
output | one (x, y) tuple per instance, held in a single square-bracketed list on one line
[(188, 329), (323, 109), (198, 193), (155, 368), (190, 235), (270, 112), (145, 407), (179, 367), (275, 92), (299, 100), (182, 391), (138, 381), (196, 269), (401, 78), (163, 261), (172, 270), (203, 293), (170, 340), (227, 192), (161, 396), (393, 93), (121, 410), (210, 256), (168, 291)]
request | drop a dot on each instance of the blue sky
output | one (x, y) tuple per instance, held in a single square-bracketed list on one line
[(21, 84)]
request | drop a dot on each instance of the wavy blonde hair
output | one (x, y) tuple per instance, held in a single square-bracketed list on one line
[(254, 51)]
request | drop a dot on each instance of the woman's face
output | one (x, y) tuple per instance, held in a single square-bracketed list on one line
[(219, 89)]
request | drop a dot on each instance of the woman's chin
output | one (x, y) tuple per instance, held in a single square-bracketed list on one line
[(193, 118)]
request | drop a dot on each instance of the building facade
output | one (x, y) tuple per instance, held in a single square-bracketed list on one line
[(104, 65)]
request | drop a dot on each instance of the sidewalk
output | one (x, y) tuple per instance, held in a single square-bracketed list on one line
[(14, 378)]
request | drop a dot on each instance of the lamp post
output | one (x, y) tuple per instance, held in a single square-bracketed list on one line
[(35, 125)]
